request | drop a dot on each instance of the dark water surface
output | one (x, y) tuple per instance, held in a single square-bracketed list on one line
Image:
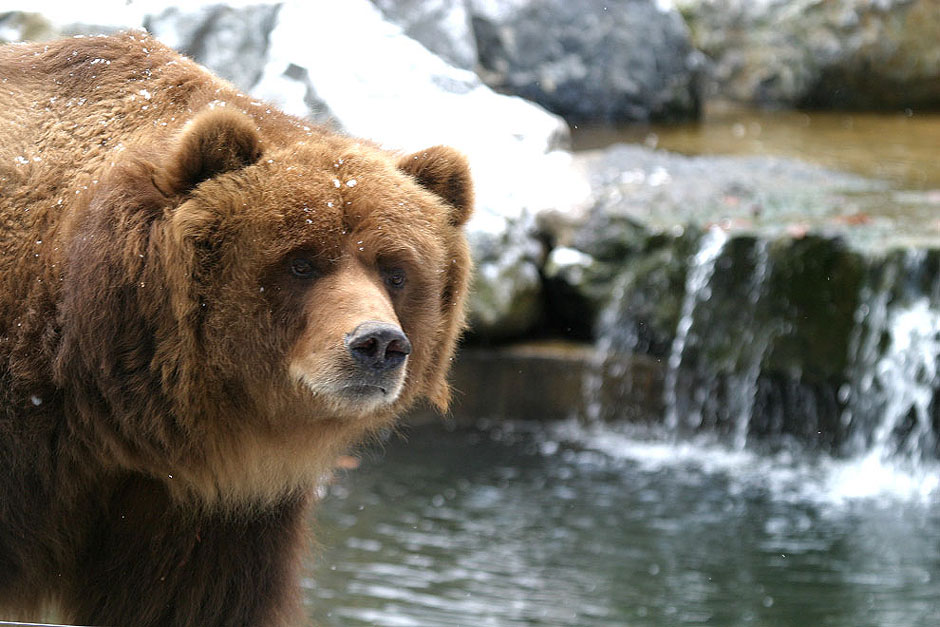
[(898, 147), (561, 525)]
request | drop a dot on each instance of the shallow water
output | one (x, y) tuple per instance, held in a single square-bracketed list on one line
[(564, 525), (900, 148)]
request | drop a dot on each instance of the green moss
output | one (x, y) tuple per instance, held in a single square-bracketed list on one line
[(814, 288)]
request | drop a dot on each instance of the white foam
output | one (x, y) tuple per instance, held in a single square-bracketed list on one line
[(873, 477), (785, 475)]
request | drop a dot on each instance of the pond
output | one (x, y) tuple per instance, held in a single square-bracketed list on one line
[(523, 524)]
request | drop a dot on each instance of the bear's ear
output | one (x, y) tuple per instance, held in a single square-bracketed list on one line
[(445, 172), (212, 143)]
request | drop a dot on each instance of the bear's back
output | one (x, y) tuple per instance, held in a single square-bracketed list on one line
[(71, 109), (66, 106)]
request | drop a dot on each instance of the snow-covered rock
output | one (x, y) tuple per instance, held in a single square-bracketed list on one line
[(442, 26), (232, 41), (506, 299)]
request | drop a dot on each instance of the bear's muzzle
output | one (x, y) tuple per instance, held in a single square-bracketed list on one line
[(378, 347)]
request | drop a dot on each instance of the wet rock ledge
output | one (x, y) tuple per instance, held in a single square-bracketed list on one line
[(549, 380)]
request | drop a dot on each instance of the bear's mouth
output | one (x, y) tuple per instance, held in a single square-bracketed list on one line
[(352, 394), (365, 397), (363, 391)]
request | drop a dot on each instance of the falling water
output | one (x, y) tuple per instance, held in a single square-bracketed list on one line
[(742, 396), (909, 370), (895, 370), (594, 378), (696, 290)]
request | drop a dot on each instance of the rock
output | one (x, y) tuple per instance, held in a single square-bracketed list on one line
[(506, 299), (651, 207), (232, 42), (770, 195), (22, 26), (442, 27), (294, 92), (28, 26), (548, 381), (840, 54), (592, 60), (379, 69)]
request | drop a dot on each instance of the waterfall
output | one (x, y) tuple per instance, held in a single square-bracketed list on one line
[(765, 345), (894, 366)]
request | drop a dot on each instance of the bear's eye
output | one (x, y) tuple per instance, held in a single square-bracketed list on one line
[(302, 268), (395, 278)]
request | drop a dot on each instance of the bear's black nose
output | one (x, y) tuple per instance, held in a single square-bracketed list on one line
[(378, 346)]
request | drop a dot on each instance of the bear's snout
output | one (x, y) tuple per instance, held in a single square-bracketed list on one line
[(378, 347)]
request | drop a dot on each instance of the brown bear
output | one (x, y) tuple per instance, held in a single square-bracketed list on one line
[(203, 302)]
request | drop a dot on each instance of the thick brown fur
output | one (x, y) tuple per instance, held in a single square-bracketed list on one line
[(180, 267)]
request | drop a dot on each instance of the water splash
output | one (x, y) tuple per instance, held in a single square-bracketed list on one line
[(895, 367), (787, 475), (895, 370), (908, 372)]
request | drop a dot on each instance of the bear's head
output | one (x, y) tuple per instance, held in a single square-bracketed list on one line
[(251, 300)]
